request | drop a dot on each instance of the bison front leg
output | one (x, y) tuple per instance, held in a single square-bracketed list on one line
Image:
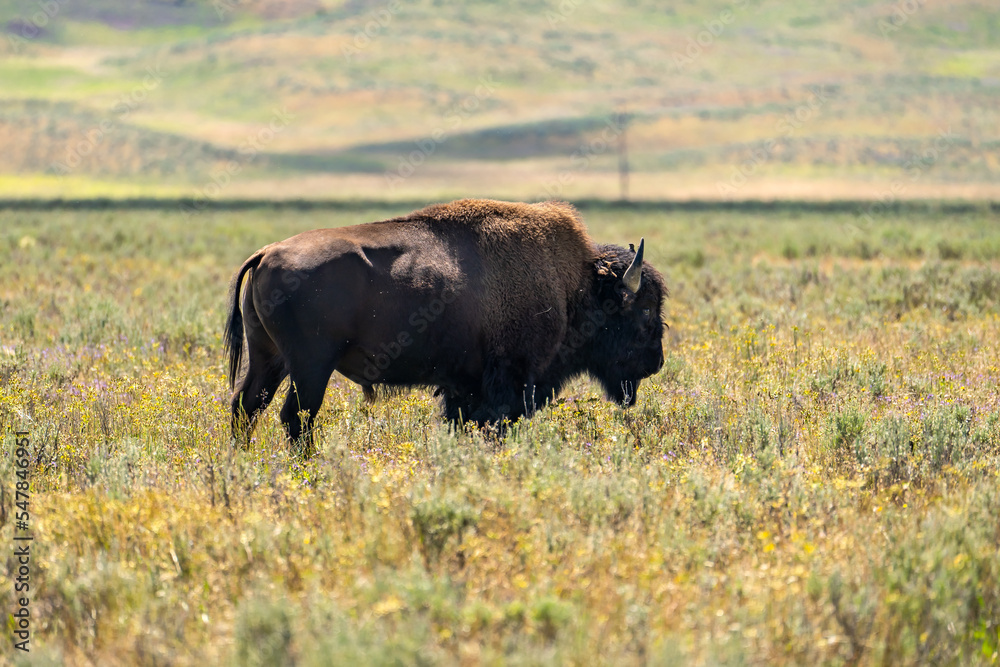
[(460, 404), (508, 394)]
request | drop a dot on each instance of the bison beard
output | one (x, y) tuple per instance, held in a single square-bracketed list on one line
[(495, 304)]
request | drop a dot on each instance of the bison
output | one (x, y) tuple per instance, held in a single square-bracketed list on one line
[(495, 305)]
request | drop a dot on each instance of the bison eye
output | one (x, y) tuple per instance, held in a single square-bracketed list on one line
[(646, 312)]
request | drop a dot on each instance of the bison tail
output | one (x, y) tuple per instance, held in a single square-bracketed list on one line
[(233, 339)]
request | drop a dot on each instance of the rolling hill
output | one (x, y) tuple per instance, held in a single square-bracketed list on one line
[(743, 99)]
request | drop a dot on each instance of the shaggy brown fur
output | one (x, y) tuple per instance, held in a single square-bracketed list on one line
[(484, 300), (534, 258)]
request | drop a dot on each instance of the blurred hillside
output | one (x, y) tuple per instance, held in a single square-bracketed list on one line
[(425, 99)]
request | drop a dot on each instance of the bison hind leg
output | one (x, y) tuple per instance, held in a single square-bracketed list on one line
[(254, 394), (302, 404)]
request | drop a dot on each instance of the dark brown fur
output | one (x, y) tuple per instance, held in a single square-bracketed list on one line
[(484, 300)]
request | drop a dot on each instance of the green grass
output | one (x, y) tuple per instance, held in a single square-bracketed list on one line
[(85, 33), (812, 477), (31, 79)]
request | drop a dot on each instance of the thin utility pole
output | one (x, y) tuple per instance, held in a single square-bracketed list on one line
[(622, 120)]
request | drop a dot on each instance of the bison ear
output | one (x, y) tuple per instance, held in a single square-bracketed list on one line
[(633, 276)]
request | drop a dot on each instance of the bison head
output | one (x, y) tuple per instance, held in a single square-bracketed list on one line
[(627, 339)]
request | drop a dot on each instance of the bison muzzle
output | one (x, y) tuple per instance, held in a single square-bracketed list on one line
[(494, 304)]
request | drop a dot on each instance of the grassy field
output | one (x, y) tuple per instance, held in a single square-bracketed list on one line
[(811, 479)]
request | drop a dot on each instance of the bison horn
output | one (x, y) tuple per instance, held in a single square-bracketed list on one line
[(633, 276)]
